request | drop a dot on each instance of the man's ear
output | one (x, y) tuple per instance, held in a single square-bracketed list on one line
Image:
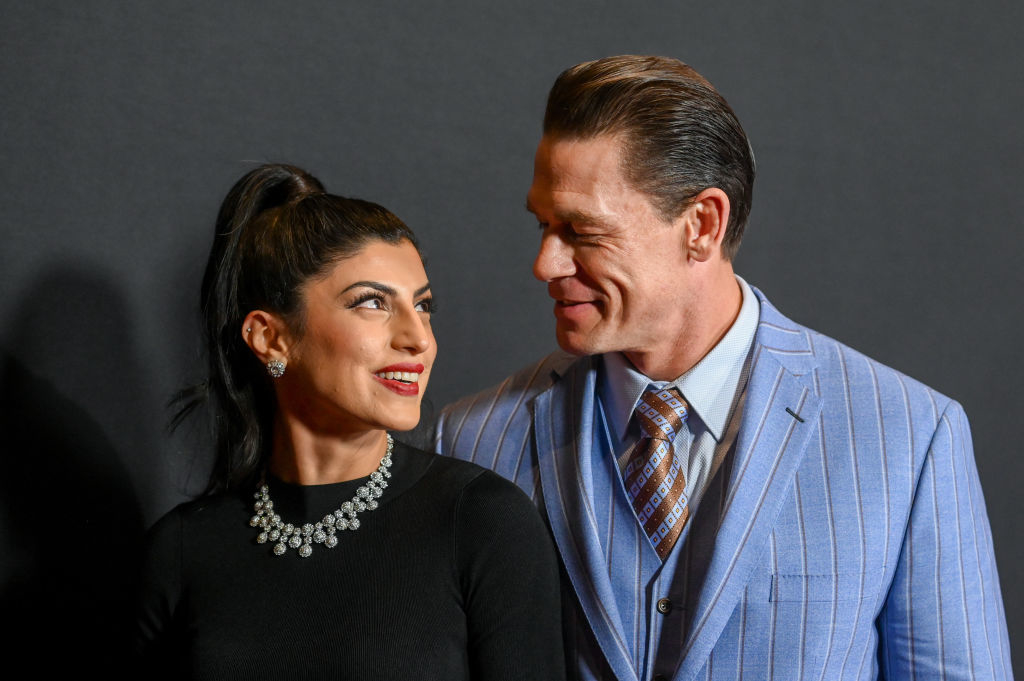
[(267, 336), (705, 223)]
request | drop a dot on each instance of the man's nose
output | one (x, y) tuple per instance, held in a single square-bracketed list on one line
[(554, 259)]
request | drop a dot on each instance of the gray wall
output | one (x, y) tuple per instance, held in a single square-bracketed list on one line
[(887, 213)]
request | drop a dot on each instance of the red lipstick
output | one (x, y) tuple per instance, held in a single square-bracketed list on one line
[(404, 366), (397, 386)]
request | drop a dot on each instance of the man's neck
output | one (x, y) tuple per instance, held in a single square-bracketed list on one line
[(701, 330)]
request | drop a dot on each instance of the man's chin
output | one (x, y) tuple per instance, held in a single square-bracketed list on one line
[(576, 343)]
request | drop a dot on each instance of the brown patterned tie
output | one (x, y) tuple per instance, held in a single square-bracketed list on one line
[(654, 481)]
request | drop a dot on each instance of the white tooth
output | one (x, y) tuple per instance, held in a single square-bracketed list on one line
[(406, 376), (413, 378), (389, 375)]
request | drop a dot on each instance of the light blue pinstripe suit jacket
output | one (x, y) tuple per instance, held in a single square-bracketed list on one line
[(847, 542)]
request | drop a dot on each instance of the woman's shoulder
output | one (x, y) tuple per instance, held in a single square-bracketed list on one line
[(477, 492), (202, 511), (466, 476)]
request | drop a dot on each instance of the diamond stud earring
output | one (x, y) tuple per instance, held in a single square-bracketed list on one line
[(275, 368)]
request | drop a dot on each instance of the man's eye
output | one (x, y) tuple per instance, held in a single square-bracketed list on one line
[(569, 232)]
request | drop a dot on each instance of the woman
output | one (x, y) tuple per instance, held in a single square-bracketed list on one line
[(325, 549)]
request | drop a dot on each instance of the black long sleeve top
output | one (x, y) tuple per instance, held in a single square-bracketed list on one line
[(452, 577)]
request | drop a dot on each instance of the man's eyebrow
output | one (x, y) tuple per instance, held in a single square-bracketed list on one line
[(581, 218), (573, 216)]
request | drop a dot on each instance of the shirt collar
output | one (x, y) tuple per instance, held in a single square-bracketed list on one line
[(710, 387)]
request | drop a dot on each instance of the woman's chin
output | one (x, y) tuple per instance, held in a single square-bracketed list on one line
[(403, 422)]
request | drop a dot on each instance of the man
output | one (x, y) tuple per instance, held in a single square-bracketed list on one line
[(731, 493)]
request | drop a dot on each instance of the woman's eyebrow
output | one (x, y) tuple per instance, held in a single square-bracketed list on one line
[(375, 285), (384, 288)]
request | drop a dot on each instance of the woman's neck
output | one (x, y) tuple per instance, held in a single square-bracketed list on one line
[(304, 457)]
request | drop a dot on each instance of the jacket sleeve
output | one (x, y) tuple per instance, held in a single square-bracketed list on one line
[(439, 434), (943, 617)]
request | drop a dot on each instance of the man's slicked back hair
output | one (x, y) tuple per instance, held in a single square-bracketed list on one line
[(681, 136)]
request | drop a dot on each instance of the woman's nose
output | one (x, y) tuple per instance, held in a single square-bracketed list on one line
[(413, 332)]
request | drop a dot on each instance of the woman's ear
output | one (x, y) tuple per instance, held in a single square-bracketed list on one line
[(267, 336)]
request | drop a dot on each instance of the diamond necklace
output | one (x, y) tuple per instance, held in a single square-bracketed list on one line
[(272, 528)]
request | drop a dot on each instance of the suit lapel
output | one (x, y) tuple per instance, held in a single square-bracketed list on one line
[(777, 421), (563, 427)]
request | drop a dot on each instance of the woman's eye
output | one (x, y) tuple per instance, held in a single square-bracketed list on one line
[(370, 303), (425, 305)]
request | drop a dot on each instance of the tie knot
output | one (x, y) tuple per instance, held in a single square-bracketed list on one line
[(661, 413)]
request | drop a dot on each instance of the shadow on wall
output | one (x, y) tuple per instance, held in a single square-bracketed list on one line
[(70, 524)]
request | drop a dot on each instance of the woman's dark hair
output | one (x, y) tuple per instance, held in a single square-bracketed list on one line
[(276, 230)]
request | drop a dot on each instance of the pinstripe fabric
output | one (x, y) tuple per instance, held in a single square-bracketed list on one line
[(845, 537)]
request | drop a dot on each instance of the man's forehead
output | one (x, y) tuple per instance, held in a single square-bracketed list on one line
[(569, 174), (560, 156)]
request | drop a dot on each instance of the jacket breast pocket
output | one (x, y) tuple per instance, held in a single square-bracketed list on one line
[(843, 586)]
